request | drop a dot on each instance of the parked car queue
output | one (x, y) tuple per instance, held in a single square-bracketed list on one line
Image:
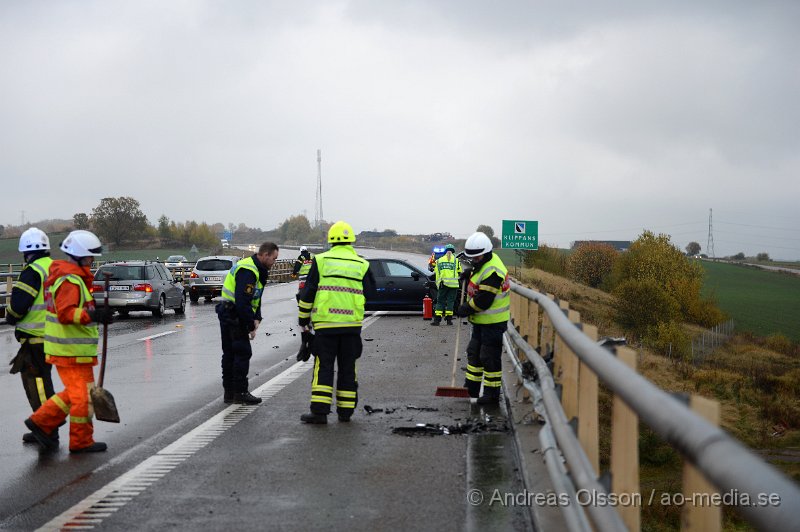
[(151, 286)]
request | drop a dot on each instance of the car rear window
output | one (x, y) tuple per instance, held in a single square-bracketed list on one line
[(121, 273), (214, 265)]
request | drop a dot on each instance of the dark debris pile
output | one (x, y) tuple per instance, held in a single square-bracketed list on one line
[(472, 426)]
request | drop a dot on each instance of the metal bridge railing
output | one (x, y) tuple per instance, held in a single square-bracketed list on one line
[(279, 273), (556, 337)]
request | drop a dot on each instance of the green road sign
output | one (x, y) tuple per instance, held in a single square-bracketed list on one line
[(520, 234)]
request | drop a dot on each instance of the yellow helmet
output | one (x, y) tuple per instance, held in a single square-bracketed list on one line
[(341, 232)]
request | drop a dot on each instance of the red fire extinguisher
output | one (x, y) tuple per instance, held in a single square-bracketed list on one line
[(427, 307)]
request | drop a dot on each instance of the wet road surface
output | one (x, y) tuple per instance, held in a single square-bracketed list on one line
[(182, 459)]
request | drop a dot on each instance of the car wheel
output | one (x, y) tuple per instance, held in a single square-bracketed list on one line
[(162, 304), (182, 307), (194, 298), (208, 299), (123, 313)]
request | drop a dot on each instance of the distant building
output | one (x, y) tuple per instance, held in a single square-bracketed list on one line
[(437, 237), (619, 245)]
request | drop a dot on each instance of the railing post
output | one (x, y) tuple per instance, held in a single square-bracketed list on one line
[(557, 346), (546, 345), (569, 373), (587, 407), (9, 284), (625, 450), (698, 513), (522, 322)]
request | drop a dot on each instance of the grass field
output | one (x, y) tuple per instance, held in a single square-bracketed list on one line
[(10, 255), (759, 301)]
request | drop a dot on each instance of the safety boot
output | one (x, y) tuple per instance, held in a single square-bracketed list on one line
[(488, 399), (227, 397), (449, 320), (96, 447), (29, 437), (246, 398), (344, 418), (314, 419), (47, 442), (437, 320)]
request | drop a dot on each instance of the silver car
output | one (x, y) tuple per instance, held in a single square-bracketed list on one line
[(139, 285), (208, 275)]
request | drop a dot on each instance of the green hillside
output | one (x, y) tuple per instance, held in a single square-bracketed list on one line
[(759, 301)]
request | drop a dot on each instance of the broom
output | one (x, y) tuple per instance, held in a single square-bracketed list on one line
[(453, 390), (105, 408)]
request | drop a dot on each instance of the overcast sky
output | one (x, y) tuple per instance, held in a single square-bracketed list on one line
[(598, 119)]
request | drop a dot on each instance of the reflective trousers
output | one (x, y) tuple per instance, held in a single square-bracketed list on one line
[(236, 354), (35, 372), (72, 402), (445, 301), (344, 350), (483, 359)]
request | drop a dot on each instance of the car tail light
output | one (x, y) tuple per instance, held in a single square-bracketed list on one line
[(144, 287), (96, 287), (193, 276)]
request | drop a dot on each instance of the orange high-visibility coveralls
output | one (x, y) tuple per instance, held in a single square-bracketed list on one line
[(75, 371)]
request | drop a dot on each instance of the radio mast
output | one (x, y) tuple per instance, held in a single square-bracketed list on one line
[(318, 216), (710, 244)]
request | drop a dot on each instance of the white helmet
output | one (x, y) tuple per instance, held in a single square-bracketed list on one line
[(303, 248), (33, 239), (477, 244), (82, 243)]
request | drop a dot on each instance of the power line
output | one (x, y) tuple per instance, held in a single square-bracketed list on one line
[(618, 230), (759, 226)]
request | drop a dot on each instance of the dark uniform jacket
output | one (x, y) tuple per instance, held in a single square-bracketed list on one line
[(22, 301), (245, 289)]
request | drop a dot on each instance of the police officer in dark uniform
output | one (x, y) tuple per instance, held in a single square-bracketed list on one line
[(239, 318), (28, 313)]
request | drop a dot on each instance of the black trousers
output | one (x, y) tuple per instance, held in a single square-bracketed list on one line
[(483, 359), (342, 350), (236, 354), (35, 372)]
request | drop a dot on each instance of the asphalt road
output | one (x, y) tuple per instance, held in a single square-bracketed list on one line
[(181, 459)]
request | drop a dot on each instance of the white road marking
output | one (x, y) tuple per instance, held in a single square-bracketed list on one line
[(124, 488), (156, 335)]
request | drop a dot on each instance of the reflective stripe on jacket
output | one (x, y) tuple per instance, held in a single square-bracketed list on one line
[(339, 300), (33, 322), (72, 339), (499, 311), (229, 286), (447, 271)]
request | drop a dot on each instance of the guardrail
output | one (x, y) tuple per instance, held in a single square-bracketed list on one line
[(544, 331)]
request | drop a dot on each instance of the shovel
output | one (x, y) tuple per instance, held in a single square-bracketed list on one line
[(453, 390), (105, 409)]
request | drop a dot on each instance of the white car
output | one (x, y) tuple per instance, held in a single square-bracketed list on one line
[(176, 261), (208, 275)]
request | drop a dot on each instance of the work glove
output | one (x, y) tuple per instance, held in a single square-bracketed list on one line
[(294, 276), (306, 339), (101, 315), (464, 310)]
